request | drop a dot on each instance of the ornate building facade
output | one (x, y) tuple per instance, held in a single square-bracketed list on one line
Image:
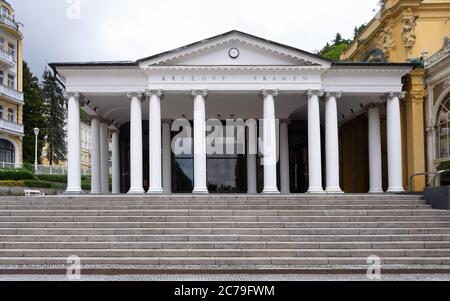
[(406, 30), (11, 96)]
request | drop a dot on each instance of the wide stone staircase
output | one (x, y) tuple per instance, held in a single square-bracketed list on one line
[(223, 230)]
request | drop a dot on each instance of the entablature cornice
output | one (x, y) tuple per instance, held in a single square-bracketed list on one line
[(236, 68)]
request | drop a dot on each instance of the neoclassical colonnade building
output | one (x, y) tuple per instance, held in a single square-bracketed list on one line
[(302, 98)]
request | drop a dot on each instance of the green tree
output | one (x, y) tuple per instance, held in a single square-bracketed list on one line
[(55, 118), (33, 115), (334, 50)]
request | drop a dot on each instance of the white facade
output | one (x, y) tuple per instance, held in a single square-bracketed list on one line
[(235, 76)]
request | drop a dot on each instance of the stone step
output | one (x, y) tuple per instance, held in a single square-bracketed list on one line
[(212, 213), (224, 252), (219, 202), (219, 219), (189, 261), (225, 238), (230, 245), (225, 231), (217, 197), (90, 207), (208, 225)]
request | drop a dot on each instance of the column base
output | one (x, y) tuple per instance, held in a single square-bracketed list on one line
[(73, 191), (136, 191), (316, 190), (376, 191), (336, 190), (95, 192), (396, 190), (155, 191), (271, 190), (200, 191)]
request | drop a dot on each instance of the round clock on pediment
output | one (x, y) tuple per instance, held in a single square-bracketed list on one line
[(234, 53)]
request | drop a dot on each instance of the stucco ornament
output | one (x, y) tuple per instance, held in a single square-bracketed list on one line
[(386, 42), (409, 33)]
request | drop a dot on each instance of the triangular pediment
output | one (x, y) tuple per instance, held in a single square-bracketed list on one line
[(235, 49)]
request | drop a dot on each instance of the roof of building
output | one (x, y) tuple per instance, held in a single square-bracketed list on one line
[(136, 63)]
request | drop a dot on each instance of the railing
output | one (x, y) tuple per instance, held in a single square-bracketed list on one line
[(411, 183), (11, 93), (9, 22), (7, 165), (45, 169), (58, 170), (438, 175), (432, 182), (7, 57), (11, 126)]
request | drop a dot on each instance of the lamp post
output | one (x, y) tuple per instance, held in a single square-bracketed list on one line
[(36, 133)]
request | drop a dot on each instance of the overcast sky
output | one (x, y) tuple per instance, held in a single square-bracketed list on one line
[(102, 30)]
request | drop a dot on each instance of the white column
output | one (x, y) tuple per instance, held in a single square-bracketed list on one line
[(167, 157), (200, 181), (252, 152), (155, 141), (115, 162), (314, 143), (394, 142), (136, 157), (269, 146), (332, 142), (104, 157), (375, 163), (285, 184), (73, 143), (95, 156)]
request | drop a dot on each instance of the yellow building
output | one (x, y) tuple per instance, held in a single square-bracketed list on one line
[(404, 30), (11, 96)]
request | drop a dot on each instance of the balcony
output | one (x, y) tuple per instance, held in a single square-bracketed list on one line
[(12, 94), (11, 127), (9, 22), (6, 58)]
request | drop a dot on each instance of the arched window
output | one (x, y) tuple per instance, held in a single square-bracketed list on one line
[(443, 130), (7, 152)]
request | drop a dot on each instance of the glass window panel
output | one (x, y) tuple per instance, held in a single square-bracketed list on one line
[(183, 175)]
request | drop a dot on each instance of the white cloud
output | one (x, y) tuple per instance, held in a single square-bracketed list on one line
[(118, 30)]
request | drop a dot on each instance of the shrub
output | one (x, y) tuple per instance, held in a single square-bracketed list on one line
[(10, 183), (28, 166), (16, 175), (43, 184), (53, 178)]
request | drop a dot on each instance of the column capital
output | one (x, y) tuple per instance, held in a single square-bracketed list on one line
[(74, 94), (273, 93), (137, 94), (150, 93), (333, 94), (115, 131), (318, 93), (203, 93), (391, 95)]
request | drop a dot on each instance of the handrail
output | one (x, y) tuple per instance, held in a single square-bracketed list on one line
[(411, 184), (438, 174)]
